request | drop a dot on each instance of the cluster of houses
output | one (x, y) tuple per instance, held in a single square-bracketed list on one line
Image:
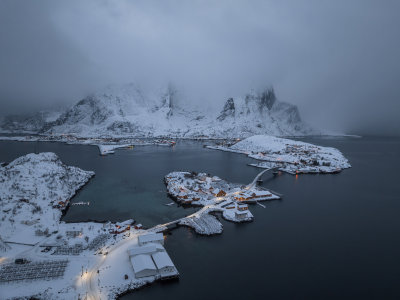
[(192, 188), (150, 258), (253, 195), (236, 211), (120, 227)]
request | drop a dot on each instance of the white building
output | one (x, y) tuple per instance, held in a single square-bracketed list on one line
[(164, 264), (143, 265), (241, 215), (261, 194), (151, 238), (151, 258)]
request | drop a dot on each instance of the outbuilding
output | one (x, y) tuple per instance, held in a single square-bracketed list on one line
[(151, 238), (241, 215)]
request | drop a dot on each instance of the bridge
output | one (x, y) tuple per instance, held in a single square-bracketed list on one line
[(251, 185)]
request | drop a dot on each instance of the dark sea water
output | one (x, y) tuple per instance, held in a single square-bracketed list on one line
[(330, 237)]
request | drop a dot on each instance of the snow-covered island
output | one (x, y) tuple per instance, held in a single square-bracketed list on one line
[(217, 196), (294, 157)]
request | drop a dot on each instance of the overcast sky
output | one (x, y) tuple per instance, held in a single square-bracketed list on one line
[(339, 61)]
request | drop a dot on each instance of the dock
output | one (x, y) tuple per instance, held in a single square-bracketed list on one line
[(262, 205), (81, 203)]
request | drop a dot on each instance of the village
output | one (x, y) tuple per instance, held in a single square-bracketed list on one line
[(97, 260), (215, 194)]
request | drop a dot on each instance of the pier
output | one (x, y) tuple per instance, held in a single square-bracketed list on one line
[(81, 203)]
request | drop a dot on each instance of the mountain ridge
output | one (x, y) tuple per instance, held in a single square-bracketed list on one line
[(128, 111)]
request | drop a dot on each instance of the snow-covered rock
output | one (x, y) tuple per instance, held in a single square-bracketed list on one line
[(34, 190)]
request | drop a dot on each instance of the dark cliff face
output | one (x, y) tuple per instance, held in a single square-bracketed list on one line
[(262, 101), (228, 110), (267, 99), (169, 99)]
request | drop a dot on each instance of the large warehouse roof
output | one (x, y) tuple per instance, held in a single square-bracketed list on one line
[(162, 260), (142, 262)]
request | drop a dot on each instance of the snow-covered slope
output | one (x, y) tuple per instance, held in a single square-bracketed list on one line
[(128, 111), (34, 189)]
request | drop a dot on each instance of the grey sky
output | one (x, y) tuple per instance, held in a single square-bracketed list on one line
[(337, 60)]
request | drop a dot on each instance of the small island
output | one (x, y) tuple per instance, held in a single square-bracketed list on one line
[(290, 156), (216, 196)]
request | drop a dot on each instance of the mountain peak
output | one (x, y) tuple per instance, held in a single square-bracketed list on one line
[(228, 110)]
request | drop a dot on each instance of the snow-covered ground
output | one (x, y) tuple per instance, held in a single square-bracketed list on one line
[(34, 190), (287, 155)]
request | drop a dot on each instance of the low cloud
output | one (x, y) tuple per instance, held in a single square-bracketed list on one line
[(337, 60)]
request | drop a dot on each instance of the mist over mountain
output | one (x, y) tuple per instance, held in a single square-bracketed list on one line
[(129, 111), (337, 61)]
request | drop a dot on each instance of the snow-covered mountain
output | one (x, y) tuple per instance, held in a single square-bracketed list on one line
[(128, 111)]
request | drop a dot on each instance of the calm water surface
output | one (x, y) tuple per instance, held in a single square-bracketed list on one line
[(332, 236)]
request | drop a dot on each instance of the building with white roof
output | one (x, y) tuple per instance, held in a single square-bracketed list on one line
[(151, 258), (151, 238), (143, 265), (261, 194), (241, 215), (164, 264)]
